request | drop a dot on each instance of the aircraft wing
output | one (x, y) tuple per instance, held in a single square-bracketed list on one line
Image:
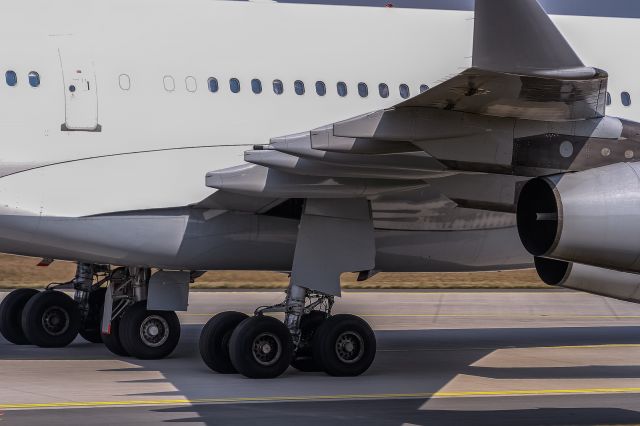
[(522, 69)]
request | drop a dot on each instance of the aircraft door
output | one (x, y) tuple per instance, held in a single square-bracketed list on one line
[(80, 93)]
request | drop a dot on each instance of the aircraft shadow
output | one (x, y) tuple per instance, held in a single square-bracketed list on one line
[(408, 362)]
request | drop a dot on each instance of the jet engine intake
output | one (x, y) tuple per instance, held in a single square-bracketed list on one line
[(590, 217)]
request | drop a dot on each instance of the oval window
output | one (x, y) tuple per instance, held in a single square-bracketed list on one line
[(34, 79), (626, 99), (256, 86), (384, 90), (321, 88), (169, 83), (424, 88), (213, 84), (191, 84), (278, 87), (123, 81), (234, 85), (11, 78), (342, 88), (404, 91), (363, 90), (299, 87)]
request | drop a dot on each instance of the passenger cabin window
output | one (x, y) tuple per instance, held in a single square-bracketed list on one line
[(423, 88), (169, 83), (342, 88), (363, 90), (11, 78), (608, 98), (404, 91), (321, 88), (234, 85), (384, 90), (191, 84), (299, 87), (626, 99), (278, 87), (213, 84), (256, 86), (34, 79), (123, 81)]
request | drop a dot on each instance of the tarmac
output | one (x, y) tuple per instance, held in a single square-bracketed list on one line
[(445, 358)]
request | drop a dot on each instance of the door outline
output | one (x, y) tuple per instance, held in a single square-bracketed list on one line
[(80, 91)]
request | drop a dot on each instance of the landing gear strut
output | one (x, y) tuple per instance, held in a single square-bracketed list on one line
[(131, 329), (334, 236)]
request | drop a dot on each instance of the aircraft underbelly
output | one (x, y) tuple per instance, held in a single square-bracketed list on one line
[(185, 239)]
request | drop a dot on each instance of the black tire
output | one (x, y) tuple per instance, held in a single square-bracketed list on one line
[(136, 320), (112, 340), (90, 328), (214, 341), (330, 348), (51, 319), (11, 315), (303, 358), (261, 347)]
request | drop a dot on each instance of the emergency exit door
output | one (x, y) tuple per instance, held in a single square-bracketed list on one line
[(80, 93)]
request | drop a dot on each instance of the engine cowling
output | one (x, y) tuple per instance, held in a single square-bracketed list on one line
[(590, 279), (590, 217)]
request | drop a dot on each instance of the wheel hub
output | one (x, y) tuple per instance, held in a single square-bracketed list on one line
[(349, 347), (154, 331), (266, 349), (55, 320)]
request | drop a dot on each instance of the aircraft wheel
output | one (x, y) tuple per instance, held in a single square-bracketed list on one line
[(112, 340), (149, 334), (214, 341), (303, 358), (90, 328), (344, 345), (261, 347), (50, 319), (11, 315)]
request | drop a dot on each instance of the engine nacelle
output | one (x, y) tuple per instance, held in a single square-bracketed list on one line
[(590, 217), (590, 279)]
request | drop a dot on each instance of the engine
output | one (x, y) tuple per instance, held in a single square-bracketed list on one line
[(590, 279), (590, 217)]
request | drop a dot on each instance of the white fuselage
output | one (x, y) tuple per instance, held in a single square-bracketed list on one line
[(156, 145)]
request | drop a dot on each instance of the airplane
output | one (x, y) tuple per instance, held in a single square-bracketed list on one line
[(149, 141)]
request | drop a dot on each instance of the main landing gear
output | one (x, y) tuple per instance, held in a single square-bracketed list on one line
[(309, 339), (53, 319)]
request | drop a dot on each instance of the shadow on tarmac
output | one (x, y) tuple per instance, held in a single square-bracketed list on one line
[(415, 361)]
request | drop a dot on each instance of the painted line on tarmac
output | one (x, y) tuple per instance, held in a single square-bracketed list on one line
[(506, 316), (493, 348), (347, 397)]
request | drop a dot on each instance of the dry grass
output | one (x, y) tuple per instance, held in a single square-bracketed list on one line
[(22, 272)]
